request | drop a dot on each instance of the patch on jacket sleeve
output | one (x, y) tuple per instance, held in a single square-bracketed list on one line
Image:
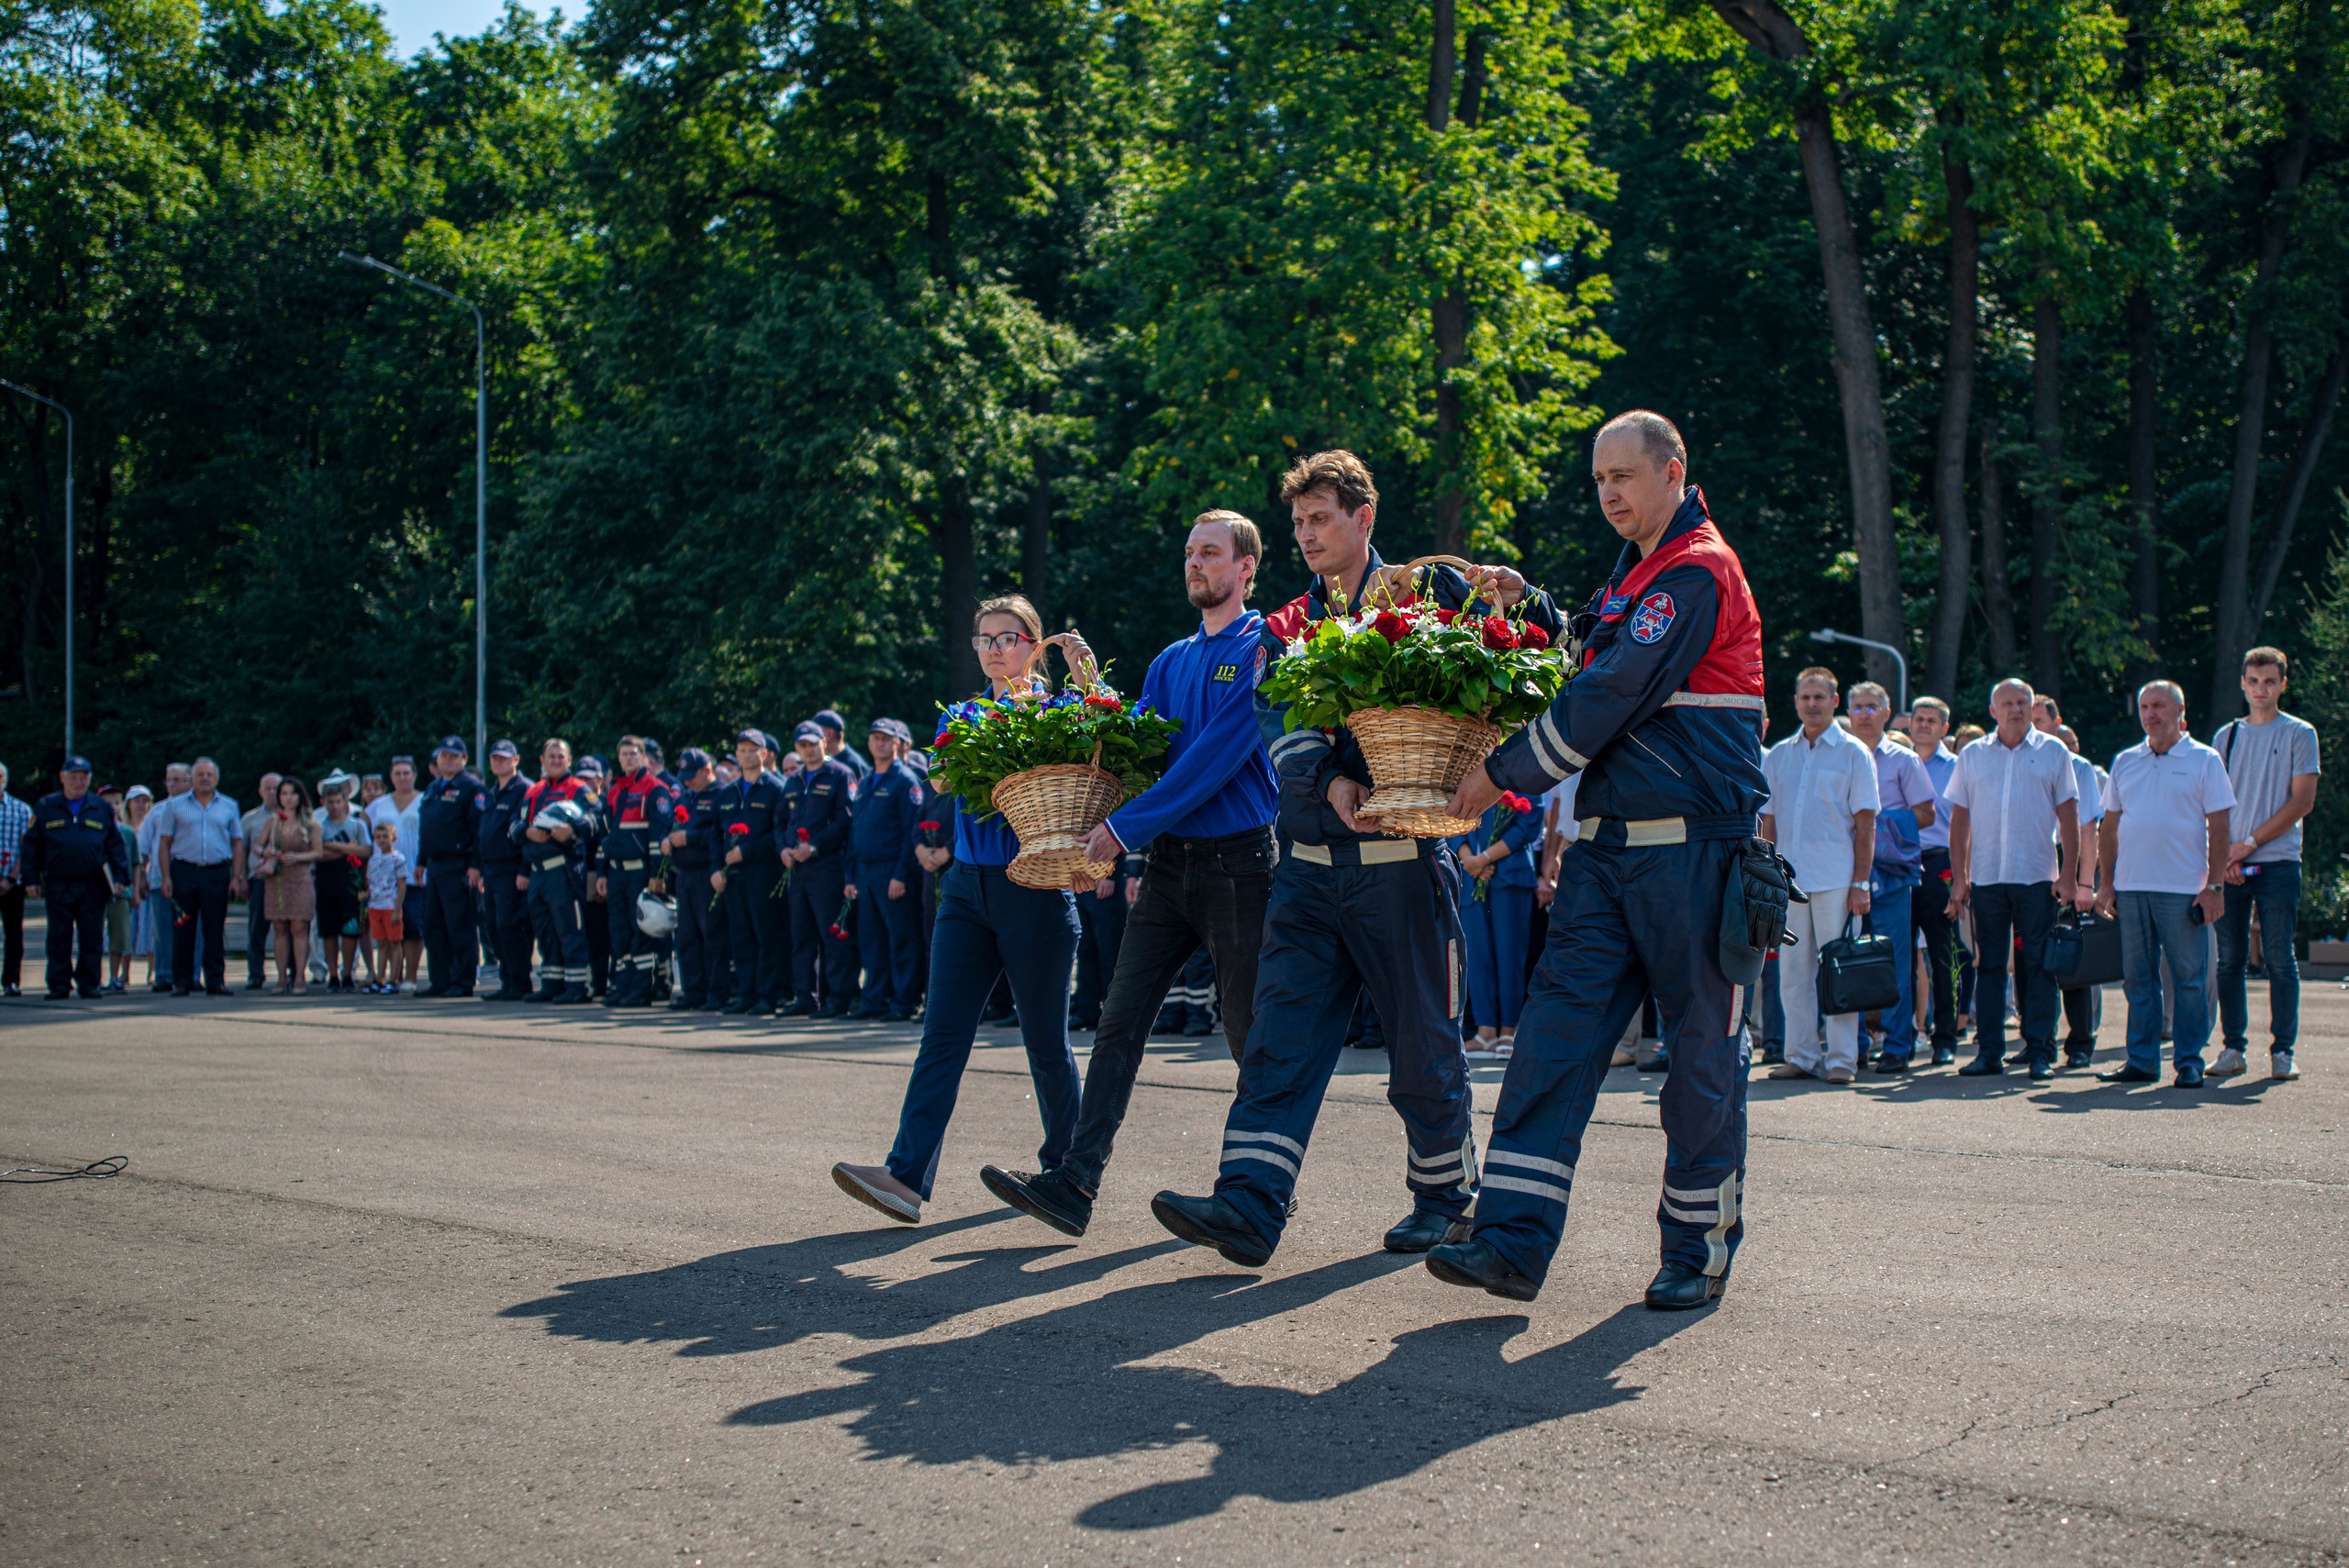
[(1653, 618)]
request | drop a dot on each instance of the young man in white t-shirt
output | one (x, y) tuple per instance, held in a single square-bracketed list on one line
[(2163, 838), (2272, 760)]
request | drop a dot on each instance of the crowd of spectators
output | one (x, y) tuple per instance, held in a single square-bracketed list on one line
[(802, 879)]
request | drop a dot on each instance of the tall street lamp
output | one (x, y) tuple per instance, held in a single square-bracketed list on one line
[(481, 499), (52, 403), (1825, 635)]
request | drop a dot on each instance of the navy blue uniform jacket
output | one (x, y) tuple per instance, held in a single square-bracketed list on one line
[(888, 804), (448, 820), (821, 805), (73, 840)]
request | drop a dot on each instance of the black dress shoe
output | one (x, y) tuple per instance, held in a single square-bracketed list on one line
[(831, 1012), (684, 1004), (61, 995), (1984, 1066), (1476, 1265), (1772, 1057), (2041, 1069), (1944, 1055), (161, 987), (1211, 1222), (433, 990), (2189, 1075), (182, 990), (216, 990), (716, 1005), (2124, 1073), (2078, 1059), (12, 989), (1660, 1062), (797, 1009), (1424, 1230), (1677, 1286), (739, 1005), (1048, 1197), (573, 997), (896, 1015), (547, 993), (1891, 1065)]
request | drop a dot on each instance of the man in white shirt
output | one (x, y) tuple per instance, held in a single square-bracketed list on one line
[(1821, 815), (2014, 835), (2167, 806), (1905, 808), (2271, 761), (1929, 906), (2083, 1005)]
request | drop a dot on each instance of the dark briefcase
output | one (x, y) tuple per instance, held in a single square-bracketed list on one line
[(1858, 974), (2083, 950)]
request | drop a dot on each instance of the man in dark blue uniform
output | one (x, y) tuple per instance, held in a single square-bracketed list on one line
[(498, 859), (752, 817), (73, 860), (1350, 910), (638, 810), (885, 876), (822, 793), (834, 740), (448, 832), (1207, 826), (1665, 724), (555, 831), (703, 966)]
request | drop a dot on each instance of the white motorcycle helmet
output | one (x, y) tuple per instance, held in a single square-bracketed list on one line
[(656, 916), (562, 814)]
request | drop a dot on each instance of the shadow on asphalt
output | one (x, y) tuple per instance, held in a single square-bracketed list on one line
[(1076, 1381)]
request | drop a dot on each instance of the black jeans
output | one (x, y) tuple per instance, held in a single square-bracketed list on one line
[(2004, 913), (1196, 890), (12, 936), (1929, 910), (201, 894)]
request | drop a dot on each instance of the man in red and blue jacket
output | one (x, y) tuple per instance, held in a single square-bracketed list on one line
[(1350, 910), (1664, 723)]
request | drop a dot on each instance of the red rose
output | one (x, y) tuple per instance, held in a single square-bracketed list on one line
[(1515, 801), (1531, 636), (929, 827), (1094, 699), (684, 815), (739, 829), (1497, 635), (804, 835), (1391, 627), (1445, 618)]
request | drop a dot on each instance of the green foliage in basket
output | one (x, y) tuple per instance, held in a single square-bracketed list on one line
[(983, 741), (1487, 667)]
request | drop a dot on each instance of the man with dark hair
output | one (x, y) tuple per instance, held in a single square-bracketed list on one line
[(1205, 827), (554, 829), (821, 798), (448, 833), (74, 861), (639, 806), (1664, 727), (1350, 908), (752, 822), (704, 965), (2271, 760), (835, 747), (499, 865)]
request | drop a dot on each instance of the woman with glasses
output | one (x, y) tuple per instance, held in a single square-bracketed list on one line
[(988, 924)]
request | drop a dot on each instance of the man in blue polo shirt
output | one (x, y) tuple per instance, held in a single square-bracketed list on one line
[(1207, 826)]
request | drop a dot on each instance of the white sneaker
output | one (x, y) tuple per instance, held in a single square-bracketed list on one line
[(2279, 1065), (407, 988), (1480, 1052), (2229, 1063)]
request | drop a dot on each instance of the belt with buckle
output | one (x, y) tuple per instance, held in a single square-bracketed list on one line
[(555, 864), (1641, 833), (1361, 852), (626, 865)]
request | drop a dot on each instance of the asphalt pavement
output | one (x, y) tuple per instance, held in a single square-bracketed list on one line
[(438, 1282)]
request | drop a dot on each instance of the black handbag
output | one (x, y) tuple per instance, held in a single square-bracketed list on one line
[(2082, 949), (1858, 974)]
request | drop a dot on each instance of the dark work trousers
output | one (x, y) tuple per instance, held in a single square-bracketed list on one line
[(2274, 888), (990, 925), (510, 927), (886, 938), (2083, 1005), (1194, 891), (77, 911), (1627, 922), (933, 886), (12, 936), (1330, 931), (1101, 930), (258, 941), (2004, 911), (450, 945), (595, 925), (759, 927), (702, 958), (202, 895), (817, 888), (1929, 909), (633, 952), (554, 901)]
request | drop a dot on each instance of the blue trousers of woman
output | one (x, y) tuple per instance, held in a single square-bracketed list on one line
[(987, 926), (1497, 929)]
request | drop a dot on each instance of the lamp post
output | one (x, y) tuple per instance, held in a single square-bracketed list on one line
[(1825, 635), (52, 403), (481, 497)]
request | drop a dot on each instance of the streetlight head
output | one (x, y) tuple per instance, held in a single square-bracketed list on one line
[(1823, 635)]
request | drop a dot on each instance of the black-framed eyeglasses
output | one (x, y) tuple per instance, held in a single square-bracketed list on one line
[(1001, 642)]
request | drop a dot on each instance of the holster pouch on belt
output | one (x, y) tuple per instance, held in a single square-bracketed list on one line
[(1754, 908)]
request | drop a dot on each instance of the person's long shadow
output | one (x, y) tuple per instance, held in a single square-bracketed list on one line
[(732, 1303), (1077, 1383)]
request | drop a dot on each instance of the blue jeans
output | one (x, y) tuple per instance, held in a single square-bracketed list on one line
[(2277, 893), (2154, 925), (1888, 913), (988, 926)]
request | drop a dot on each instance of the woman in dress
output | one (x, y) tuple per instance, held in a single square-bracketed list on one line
[(291, 846), (988, 924), (341, 886)]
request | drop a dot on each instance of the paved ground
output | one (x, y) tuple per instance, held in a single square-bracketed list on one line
[(440, 1283)]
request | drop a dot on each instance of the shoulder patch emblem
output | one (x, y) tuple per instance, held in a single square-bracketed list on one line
[(1614, 605), (1653, 618), (1231, 672)]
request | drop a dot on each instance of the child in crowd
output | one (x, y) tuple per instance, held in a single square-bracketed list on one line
[(387, 881)]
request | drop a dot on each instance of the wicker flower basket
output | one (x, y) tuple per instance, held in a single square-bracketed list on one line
[(1417, 757), (1053, 809)]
